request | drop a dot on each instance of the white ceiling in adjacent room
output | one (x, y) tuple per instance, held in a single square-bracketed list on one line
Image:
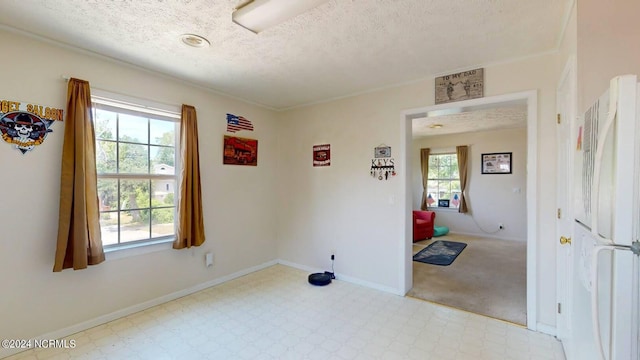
[(497, 118)]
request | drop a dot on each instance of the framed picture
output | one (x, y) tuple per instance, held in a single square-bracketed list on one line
[(496, 163), (443, 203), (240, 151), (460, 86), (322, 155)]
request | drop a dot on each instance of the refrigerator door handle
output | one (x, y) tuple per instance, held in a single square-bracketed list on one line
[(595, 189), (595, 308)]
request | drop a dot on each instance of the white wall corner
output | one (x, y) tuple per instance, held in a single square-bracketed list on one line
[(348, 279)]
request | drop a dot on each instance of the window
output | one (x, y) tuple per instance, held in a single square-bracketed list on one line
[(443, 182), (136, 164)]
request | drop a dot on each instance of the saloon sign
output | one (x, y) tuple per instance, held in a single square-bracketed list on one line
[(25, 126)]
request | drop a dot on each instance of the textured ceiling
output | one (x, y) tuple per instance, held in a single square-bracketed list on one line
[(498, 118), (339, 48)]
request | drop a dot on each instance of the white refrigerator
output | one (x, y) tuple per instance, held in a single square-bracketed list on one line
[(606, 306)]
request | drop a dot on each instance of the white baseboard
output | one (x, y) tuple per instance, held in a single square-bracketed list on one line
[(371, 285), (483, 235), (308, 269), (546, 329), (73, 329), (345, 278)]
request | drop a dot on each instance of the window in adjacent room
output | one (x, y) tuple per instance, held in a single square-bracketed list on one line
[(137, 171), (443, 185)]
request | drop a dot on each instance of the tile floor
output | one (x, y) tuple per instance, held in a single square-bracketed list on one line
[(275, 314)]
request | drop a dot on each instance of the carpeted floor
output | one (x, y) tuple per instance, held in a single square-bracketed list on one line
[(488, 278)]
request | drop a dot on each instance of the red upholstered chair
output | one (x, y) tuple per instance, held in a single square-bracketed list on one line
[(423, 224)]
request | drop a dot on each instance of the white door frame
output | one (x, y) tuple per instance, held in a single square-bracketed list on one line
[(531, 99), (566, 103)]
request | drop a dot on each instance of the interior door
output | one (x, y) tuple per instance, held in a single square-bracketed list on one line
[(566, 107)]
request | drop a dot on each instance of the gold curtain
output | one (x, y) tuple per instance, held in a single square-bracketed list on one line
[(462, 169), (190, 230), (424, 165), (79, 239)]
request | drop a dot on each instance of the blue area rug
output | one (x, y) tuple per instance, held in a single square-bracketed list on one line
[(440, 252)]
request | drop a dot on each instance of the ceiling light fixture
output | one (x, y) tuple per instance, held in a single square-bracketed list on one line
[(194, 40), (259, 15)]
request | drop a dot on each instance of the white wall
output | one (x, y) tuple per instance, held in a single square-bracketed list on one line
[(607, 45), (569, 43), (239, 203), (342, 207), (492, 199)]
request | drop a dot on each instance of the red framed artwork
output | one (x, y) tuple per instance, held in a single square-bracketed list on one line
[(240, 151), (322, 155)]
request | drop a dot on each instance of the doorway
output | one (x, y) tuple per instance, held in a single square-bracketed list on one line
[(530, 99)]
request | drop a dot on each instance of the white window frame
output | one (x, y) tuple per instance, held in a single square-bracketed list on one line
[(125, 104), (435, 204)]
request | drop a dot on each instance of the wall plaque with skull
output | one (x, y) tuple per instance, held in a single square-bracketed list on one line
[(24, 130)]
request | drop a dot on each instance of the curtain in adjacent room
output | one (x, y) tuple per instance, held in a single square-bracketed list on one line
[(190, 230), (461, 151), (79, 240), (424, 165)]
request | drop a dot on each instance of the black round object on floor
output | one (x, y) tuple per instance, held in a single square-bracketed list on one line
[(320, 279)]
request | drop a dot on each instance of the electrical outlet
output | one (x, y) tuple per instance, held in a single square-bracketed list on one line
[(208, 259)]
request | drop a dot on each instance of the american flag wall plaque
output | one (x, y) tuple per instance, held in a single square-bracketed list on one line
[(237, 123)]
